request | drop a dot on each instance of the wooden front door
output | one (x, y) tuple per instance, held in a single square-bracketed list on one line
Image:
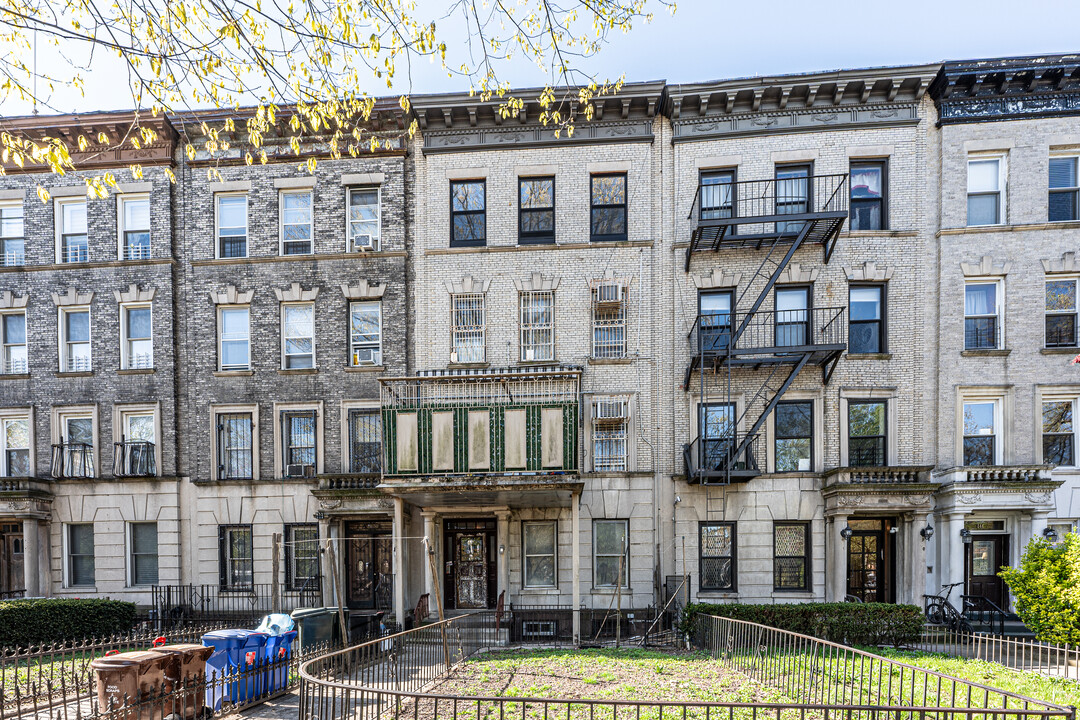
[(470, 570), (869, 564), (984, 557), (369, 568), (11, 557)]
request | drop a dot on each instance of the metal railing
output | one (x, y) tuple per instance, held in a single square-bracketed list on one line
[(754, 201), (213, 602), (984, 610), (17, 366), (349, 481), (12, 594), (776, 332), (72, 460), (1027, 654), (136, 252), (714, 457), (14, 258), (134, 459)]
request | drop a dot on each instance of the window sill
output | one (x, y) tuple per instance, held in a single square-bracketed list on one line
[(233, 373), (884, 233), (869, 356), (1060, 351), (466, 366), (611, 361), (15, 376), (536, 363), (365, 368), (86, 373), (136, 371), (779, 592), (725, 594), (370, 254), (984, 353), (298, 371), (539, 591), (612, 591)]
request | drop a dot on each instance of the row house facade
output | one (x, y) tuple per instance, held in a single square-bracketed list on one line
[(765, 340)]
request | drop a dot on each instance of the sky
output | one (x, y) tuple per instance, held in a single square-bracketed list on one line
[(717, 39)]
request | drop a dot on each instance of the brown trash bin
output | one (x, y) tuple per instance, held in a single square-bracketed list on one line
[(186, 680), (134, 677)]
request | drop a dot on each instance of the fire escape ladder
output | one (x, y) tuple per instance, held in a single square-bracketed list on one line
[(760, 422)]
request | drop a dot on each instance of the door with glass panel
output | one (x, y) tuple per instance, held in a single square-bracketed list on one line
[(714, 310), (792, 316), (717, 434), (792, 196), (984, 557), (78, 444), (369, 561), (869, 560), (11, 557), (137, 446)]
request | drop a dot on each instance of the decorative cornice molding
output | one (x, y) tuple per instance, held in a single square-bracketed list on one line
[(868, 272), (1007, 88), (479, 138), (796, 273), (231, 296), (536, 282), (133, 294), (1067, 264), (72, 297), (363, 290), (295, 293), (985, 268), (467, 284), (826, 117), (716, 278), (10, 301)]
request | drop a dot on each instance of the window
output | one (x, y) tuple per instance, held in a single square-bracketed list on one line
[(75, 340), (982, 309), (73, 457), (14, 341), (866, 331), (610, 418), (232, 226), (981, 445), (134, 215), (468, 219), (1064, 190), (536, 211), (792, 316), (609, 320), (298, 336), (539, 541), (985, 196), (365, 219), (608, 207), (365, 333), (15, 454), (467, 328), (868, 196), (791, 556), (80, 555), (716, 564), (72, 246), (1057, 433), (717, 201), (792, 196), (714, 330), (236, 566), (296, 222), (135, 453), (144, 553), (136, 337), (12, 237), (866, 433), (302, 556), (537, 325), (716, 429), (1061, 313), (235, 446), (365, 441), (611, 553), (794, 436), (234, 339), (298, 433)]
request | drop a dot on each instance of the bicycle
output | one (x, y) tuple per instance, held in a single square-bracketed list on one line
[(939, 611)]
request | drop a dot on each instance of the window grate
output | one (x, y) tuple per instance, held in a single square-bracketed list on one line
[(537, 325), (468, 327), (365, 441), (234, 446)]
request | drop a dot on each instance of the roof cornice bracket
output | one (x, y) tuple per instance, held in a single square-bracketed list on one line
[(894, 88), (472, 115), (703, 105), (625, 108), (448, 118), (864, 95), (729, 102), (756, 102)]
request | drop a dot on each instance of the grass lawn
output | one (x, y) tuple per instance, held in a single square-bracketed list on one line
[(70, 671)]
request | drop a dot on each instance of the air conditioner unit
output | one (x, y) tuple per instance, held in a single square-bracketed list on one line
[(363, 242), (366, 356), (609, 411), (299, 471), (609, 293)]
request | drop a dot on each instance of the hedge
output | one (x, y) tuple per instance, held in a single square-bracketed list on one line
[(847, 623), (41, 620)]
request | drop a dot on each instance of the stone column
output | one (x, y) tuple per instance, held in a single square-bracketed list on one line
[(575, 564), (954, 551), (399, 560), (502, 548), (31, 558), (836, 550), (333, 534), (431, 544), (1039, 520)]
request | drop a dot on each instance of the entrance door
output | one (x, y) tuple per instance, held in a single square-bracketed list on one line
[(983, 558), (11, 557), (369, 563), (870, 560), (470, 562)]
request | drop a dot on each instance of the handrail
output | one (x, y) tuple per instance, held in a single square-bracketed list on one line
[(980, 605)]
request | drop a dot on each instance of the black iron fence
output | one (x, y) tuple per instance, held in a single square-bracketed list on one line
[(72, 460), (768, 331), (1028, 654), (213, 602), (134, 459)]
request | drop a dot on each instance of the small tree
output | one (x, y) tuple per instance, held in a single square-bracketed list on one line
[(1046, 588)]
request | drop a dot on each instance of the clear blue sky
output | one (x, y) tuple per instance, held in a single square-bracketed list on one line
[(713, 39)]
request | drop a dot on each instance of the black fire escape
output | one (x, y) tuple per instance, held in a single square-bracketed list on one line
[(774, 217)]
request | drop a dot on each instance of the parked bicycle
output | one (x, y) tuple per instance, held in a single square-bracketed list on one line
[(939, 611)]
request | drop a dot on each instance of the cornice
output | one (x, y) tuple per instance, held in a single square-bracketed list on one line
[(811, 119), (1007, 89), (497, 138)]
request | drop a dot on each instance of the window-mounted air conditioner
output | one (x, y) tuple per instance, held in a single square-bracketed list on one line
[(363, 242), (609, 411), (609, 293), (366, 356), (299, 471)]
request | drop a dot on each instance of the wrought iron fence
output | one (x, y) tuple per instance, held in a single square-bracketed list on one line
[(213, 602), (1027, 654)]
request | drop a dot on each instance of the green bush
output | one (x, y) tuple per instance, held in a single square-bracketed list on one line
[(847, 623), (1046, 588), (30, 622)]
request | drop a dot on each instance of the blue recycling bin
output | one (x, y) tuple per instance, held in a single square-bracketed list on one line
[(278, 652), (236, 665)]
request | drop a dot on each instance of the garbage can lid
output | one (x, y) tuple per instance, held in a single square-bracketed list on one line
[(134, 658), (308, 612), (185, 649), (233, 634)]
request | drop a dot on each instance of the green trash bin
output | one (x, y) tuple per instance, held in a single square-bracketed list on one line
[(319, 626)]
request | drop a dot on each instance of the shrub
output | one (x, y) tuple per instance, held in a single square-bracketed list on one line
[(847, 623), (29, 622), (1046, 588)]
